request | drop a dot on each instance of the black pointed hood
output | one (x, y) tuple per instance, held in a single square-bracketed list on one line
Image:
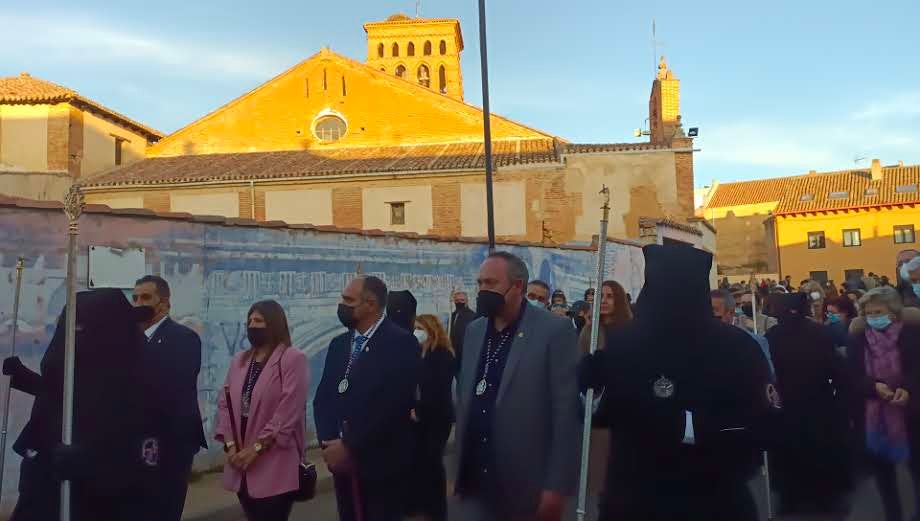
[(676, 285)]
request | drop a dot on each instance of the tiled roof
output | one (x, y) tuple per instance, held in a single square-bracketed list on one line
[(851, 189), (590, 148), (748, 192), (824, 191), (342, 161), (16, 202), (28, 89), (669, 223), (325, 162)]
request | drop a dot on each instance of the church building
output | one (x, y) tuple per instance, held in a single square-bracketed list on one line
[(391, 144)]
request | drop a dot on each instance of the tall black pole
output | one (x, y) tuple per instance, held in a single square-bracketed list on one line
[(486, 123)]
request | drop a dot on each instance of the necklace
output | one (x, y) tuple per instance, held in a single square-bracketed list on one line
[(491, 358), (252, 376)]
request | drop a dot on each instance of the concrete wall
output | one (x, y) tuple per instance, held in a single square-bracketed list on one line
[(24, 137), (41, 186), (99, 145), (744, 243), (216, 271)]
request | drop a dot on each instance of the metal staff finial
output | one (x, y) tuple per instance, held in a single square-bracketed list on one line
[(73, 208)]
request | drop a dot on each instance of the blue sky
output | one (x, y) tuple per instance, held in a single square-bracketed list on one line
[(776, 88)]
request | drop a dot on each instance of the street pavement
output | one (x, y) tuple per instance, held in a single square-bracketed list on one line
[(866, 504)]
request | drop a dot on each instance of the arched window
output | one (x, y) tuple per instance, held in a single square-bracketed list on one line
[(395, 49), (427, 48), (380, 50), (383, 69), (442, 80), (400, 71), (424, 77), (443, 48), (410, 50)]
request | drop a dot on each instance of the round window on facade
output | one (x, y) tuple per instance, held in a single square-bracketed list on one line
[(329, 128)]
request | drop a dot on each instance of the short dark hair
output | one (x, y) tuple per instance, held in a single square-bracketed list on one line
[(589, 291), (844, 304), (728, 300), (159, 282), (540, 283), (517, 270), (376, 288)]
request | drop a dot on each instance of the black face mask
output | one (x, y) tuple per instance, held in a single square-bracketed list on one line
[(143, 314), (748, 310), (490, 303), (258, 336), (580, 322), (346, 315), (460, 305)]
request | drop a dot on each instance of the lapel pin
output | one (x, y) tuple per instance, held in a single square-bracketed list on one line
[(521, 334)]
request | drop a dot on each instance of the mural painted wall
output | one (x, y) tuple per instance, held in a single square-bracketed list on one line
[(217, 271)]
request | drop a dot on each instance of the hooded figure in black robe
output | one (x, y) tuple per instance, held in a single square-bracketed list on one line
[(686, 399), (105, 461), (401, 309), (809, 459)]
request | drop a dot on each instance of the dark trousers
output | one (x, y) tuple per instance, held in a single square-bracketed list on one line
[(168, 489), (40, 498), (379, 501), (430, 490), (273, 508), (886, 479)]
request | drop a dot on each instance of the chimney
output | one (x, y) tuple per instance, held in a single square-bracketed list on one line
[(876, 170), (901, 163)]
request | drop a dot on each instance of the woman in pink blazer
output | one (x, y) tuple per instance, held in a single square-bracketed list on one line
[(268, 395)]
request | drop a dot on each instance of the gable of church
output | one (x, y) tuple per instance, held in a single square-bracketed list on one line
[(329, 101)]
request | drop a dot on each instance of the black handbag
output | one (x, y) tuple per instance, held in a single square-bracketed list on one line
[(306, 471)]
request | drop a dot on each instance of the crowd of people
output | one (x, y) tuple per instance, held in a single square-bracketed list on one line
[(694, 386)]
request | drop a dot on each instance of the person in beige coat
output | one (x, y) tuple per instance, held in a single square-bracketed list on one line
[(615, 312)]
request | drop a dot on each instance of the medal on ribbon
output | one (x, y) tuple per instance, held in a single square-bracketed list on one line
[(663, 388)]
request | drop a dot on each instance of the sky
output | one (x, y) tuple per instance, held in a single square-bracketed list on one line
[(775, 88)]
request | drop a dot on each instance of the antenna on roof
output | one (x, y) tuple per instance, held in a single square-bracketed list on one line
[(418, 8), (857, 160), (655, 46)]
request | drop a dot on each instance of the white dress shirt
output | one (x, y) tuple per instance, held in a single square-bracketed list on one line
[(150, 331)]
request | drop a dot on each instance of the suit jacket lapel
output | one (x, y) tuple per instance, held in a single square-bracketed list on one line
[(158, 334), (472, 351), (518, 346)]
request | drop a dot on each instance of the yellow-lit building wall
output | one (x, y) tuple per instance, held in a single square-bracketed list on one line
[(99, 145), (876, 253), (24, 137)]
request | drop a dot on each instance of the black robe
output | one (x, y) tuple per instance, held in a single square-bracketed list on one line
[(675, 358), (810, 457), (108, 420)]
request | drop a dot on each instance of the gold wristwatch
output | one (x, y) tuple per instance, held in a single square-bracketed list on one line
[(258, 447)]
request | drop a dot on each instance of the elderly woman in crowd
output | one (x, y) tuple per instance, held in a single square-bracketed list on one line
[(885, 365), (816, 296)]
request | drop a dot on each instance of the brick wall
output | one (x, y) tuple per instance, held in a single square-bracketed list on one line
[(75, 142), (58, 137), (246, 204), (157, 201), (347, 207), (445, 202), (683, 166)]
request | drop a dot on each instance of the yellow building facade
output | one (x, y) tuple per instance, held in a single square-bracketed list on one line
[(336, 142), (50, 136), (823, 226)]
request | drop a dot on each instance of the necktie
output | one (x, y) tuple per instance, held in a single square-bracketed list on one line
[(359, 343)]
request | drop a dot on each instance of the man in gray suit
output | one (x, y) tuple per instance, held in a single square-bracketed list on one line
[(517, 415)]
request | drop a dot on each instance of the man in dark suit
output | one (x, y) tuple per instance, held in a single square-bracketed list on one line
[(363, 405), (171, 361), (517, 412), (459, 319)]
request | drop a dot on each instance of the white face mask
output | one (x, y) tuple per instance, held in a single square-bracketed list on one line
[(421, 335), (815, 296)]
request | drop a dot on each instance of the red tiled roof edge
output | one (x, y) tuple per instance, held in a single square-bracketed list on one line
[(16, 202), (669, 223)]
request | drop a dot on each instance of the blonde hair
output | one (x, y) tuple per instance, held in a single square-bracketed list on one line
[(437, 337)]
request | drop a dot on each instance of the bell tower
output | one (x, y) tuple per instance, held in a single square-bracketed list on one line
[(664, 106), (421, 50)]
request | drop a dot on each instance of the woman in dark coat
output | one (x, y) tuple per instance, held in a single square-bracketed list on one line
[(809, 464), (435, 417), (104, 463), (840, 312), (884, 360)]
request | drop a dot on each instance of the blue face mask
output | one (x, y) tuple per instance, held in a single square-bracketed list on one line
[(879, 323), (536, 303), (833, 318), (739, 312), (916, 286)]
